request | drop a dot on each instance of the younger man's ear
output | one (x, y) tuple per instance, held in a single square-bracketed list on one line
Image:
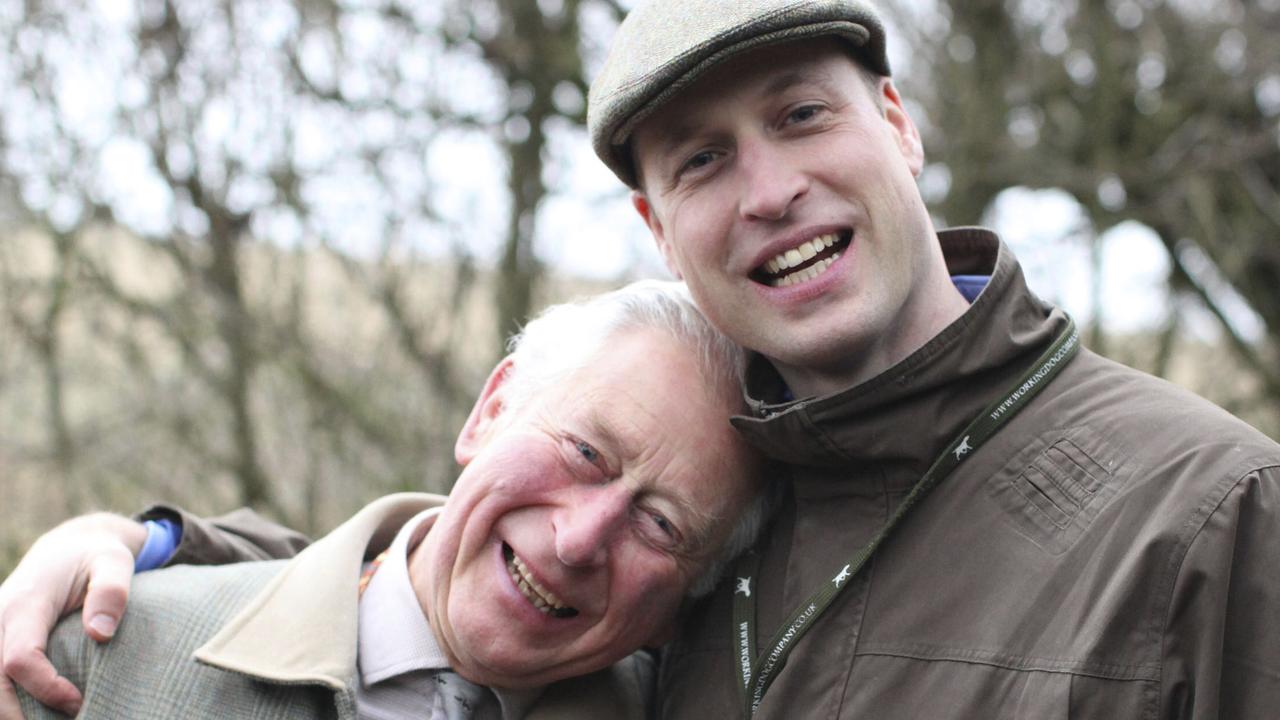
[(642, 206), (905, 132), (484, 414)]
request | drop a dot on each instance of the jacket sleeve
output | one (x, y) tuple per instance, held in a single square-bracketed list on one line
[(235, 537), (1222, 640)]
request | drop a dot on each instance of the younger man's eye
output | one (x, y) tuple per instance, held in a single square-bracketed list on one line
[(804, 113), (698, 160)]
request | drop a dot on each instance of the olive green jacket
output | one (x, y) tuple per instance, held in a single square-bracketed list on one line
[(269, 640)]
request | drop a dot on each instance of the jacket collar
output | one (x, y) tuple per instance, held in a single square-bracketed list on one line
[(301, 629), (896, 423)]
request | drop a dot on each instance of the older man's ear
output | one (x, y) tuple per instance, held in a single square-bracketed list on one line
[(484, 414)]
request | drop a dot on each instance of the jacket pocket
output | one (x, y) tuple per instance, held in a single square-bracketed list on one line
[(1054, 488)]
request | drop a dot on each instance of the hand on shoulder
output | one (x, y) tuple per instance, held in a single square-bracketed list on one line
[(86, 561)]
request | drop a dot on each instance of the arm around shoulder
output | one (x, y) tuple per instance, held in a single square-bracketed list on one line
[(237, 536)]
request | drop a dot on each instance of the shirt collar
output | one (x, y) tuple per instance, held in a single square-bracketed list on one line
[(394, 636), (517, 703)]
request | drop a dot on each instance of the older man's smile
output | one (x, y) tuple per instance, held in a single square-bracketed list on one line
[(527, 583)]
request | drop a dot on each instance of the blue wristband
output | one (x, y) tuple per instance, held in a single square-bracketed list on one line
[(163, 536)]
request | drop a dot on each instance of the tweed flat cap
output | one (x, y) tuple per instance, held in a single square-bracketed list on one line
[(665, 45)]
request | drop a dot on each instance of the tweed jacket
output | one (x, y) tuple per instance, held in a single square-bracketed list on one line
[(267, 640)]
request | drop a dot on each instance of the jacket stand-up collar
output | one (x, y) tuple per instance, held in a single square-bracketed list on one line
[(941, 386)]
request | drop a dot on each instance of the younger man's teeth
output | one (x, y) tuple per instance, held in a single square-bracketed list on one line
[(808, 273), (799, 254)]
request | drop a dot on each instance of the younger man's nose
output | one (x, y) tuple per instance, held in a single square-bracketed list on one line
[(769, 182)]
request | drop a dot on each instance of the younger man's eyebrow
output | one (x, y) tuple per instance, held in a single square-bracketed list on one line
[(673, 135), (676, 132), (804, 76)]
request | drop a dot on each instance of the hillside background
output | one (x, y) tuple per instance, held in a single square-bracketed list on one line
[(265, 251)]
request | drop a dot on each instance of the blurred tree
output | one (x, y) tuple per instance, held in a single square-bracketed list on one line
[(534, 49), (246, 240), (1166, 112)]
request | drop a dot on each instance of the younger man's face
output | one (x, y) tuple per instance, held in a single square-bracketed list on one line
[(781, 188)]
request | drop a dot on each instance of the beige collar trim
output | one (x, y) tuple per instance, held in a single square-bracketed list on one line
[(301, 629)]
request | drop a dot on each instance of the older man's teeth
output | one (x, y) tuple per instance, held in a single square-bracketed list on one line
[(808, 273), (542, 599)]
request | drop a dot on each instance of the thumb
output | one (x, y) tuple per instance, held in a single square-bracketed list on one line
[(107, 593)]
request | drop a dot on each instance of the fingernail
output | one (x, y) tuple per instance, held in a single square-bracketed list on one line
[(103, 624)]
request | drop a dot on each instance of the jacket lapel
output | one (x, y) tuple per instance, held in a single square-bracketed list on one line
[(302, 627)]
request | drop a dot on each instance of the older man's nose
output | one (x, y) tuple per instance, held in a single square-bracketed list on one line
[(770, 183), (586, 526)]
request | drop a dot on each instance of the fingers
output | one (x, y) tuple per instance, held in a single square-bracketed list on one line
[(58, 693), (110, 573), (41, 682), (23, 659), (9, 708), (51, 580)]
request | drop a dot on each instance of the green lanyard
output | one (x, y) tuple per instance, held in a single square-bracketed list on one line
[(756, 674)]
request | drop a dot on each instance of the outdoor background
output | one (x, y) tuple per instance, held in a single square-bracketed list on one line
[(265, 251)]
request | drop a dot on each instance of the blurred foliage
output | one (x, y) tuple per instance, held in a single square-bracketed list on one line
[(235, 265), (1164, 112), (229, 271)]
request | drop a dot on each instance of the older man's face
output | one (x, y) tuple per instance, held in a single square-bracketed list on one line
[(781, 187), (580, 519)]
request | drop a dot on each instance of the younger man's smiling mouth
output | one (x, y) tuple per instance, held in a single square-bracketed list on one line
[(806, 261)]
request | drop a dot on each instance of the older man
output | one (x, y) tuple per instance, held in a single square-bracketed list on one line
[(601, 484)]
